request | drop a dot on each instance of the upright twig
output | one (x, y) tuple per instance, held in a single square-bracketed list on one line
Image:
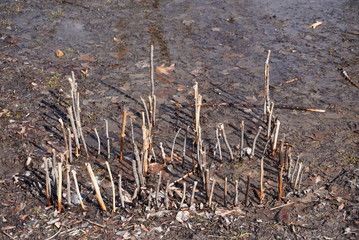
[(78, 189), (211, 194), (137, 181), (96, 187), (112, 186), (59, 187), (163, 154), (193, 193), (242, 140), (120, 191), (68, 183), (98, 143), (269, 123), (261, 191), (166, 194), (48, 186), (108, 140), (70, 145), (74, 130), (280, 182), (298, 176), (184, 147), (183, 194), (225, 191), (221, 127), (123, 135), (65, 137), (152, 73), (236, 193), (247, 190), (174, 143), (218, 145), (266, 84), (277, 125), (255, 141)]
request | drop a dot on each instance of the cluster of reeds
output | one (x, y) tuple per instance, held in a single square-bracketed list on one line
[(202, 174)]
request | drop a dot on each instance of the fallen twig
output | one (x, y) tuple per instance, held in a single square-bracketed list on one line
[(96, 187), (349, 79)]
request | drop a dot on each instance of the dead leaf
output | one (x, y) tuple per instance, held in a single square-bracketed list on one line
[(183, 216), (165, 70), (59, 53), (88, 58), (23, 217), (316, 24), (8, 228), (341, 206)]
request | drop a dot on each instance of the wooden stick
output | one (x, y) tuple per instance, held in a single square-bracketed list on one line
[(139, 165), (78, 189), (47, 186), (145, 145), (70, 145), (174, 143), (225, 191), (166, 194), (78, 123), (236, 193), (349, 79), (298, 175), (123, 135), (112, 186), (193, 193), (211, 194), (163, 154), (108, 140), (184, 177), (98, 143), (219, 145), (120, 191), (255, 141), (207, 183), (135, 175), (68, 183), (247, 190), (277, 125), (152, 73), (269, 130), (242, 139), (158, 188), (183, 194), (147, 114), (184, 147), (74, 130), (96, 187), (294, 170), (221, 126), (261, 193), (65, 137), (280, 183), (59, 187), (266, 83)]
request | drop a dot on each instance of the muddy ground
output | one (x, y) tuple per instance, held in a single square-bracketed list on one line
[(222, 45)]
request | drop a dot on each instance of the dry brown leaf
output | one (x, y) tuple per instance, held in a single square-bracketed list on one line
[(88, 58), (341, 206), (165, 70), (316, 24), (59, 53)]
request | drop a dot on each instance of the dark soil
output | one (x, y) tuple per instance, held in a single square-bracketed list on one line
[(222, 45)]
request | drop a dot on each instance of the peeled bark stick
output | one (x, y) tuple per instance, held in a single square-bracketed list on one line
[(158, 189), (65, 137), (74, 130), (266, 83), (277, 125), (247, 190), (78, 189), (289, 166), (242, 140), (123, 135), (47, 182), (59, 187), (166, 194), (219, 145), (135, 175), (112, 186), (280, 183), (261, 193), (98, 143), (54, 173), (174, 143), (236, 193), (78, 123), (221, 126), (152, 73), (139, 165), (96, 187), (163, 154), (298, 176), (211, 194), (255, 141), (120, 191), (68, 183), (225, 192), (300, 181), (108, 140), (147, 113), (269, 130), (294, 171), (193, 193), (145, 145), (70, 145), (183, 194), (207, 183)]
